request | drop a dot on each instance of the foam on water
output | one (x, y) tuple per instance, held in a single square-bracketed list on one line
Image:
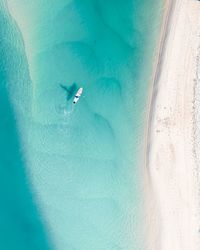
[(83, 159)]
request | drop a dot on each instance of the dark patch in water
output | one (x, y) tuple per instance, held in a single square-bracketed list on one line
[(103, 124), (71, 90)]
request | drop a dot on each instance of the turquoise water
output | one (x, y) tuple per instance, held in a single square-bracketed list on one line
[(20, 224), (80, 179)]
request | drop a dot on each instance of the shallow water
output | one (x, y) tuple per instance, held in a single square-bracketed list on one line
[(82, 161), (20, 224)]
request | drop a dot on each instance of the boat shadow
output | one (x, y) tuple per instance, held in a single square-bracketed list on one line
[(71, 90)]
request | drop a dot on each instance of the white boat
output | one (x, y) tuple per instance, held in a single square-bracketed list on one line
[(78, 95)]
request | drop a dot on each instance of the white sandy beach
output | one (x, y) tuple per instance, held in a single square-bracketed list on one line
[(172, 165)]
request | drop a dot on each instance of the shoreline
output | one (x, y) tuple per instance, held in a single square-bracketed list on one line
[(167, 13), (170, 133), (150, 202)]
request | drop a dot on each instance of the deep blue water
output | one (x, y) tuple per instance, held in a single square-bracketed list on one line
[(73, 173)]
